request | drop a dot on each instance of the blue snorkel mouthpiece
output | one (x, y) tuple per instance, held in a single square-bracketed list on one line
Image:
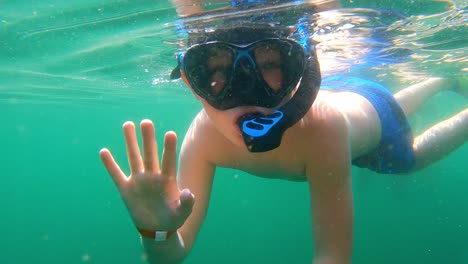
[(261, 132)]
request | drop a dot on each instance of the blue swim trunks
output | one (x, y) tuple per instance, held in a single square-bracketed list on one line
[(394, 154)]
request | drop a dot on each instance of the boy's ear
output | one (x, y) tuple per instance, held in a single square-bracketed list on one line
[(184, 78), (176, 73)]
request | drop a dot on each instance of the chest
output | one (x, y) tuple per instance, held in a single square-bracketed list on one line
[(290, 169), (286, 162)]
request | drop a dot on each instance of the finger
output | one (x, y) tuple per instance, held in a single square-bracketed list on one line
[(150, 146), (133, 151), (113, 168), (187, 200), (168, 164)]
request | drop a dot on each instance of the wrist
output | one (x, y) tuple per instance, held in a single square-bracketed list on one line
[(156, 235)]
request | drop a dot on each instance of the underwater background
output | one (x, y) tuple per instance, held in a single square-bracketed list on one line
[(72, 72)]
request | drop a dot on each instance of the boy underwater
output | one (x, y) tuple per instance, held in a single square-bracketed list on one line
[(267, 111)]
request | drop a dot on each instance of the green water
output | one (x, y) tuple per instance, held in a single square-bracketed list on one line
[(71, 72)]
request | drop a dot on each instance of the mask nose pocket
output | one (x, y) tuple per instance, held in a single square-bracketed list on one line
[(244, 81), (244, 70)]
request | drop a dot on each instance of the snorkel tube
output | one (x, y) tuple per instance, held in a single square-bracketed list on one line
[(264, 132)]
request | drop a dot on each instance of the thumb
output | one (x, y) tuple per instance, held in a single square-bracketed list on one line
[(186, 201)]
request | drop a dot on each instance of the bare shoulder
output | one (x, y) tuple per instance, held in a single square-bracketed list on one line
[(327, 131), (203, 139), (356, 113), (325, 116)]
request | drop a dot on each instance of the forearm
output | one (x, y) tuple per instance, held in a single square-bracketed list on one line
[(171, 251)]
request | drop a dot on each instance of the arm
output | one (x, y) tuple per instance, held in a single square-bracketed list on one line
[(196, 174), (331, 196), (155, 198)]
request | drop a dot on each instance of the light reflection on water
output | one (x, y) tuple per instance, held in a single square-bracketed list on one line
[(106, 52)]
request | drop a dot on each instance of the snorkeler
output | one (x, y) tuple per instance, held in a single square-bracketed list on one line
[(264, 113)]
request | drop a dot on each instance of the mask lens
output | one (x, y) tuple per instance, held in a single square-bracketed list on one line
[(229, 75), (208, 67), (269, 64), (280, 64)]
